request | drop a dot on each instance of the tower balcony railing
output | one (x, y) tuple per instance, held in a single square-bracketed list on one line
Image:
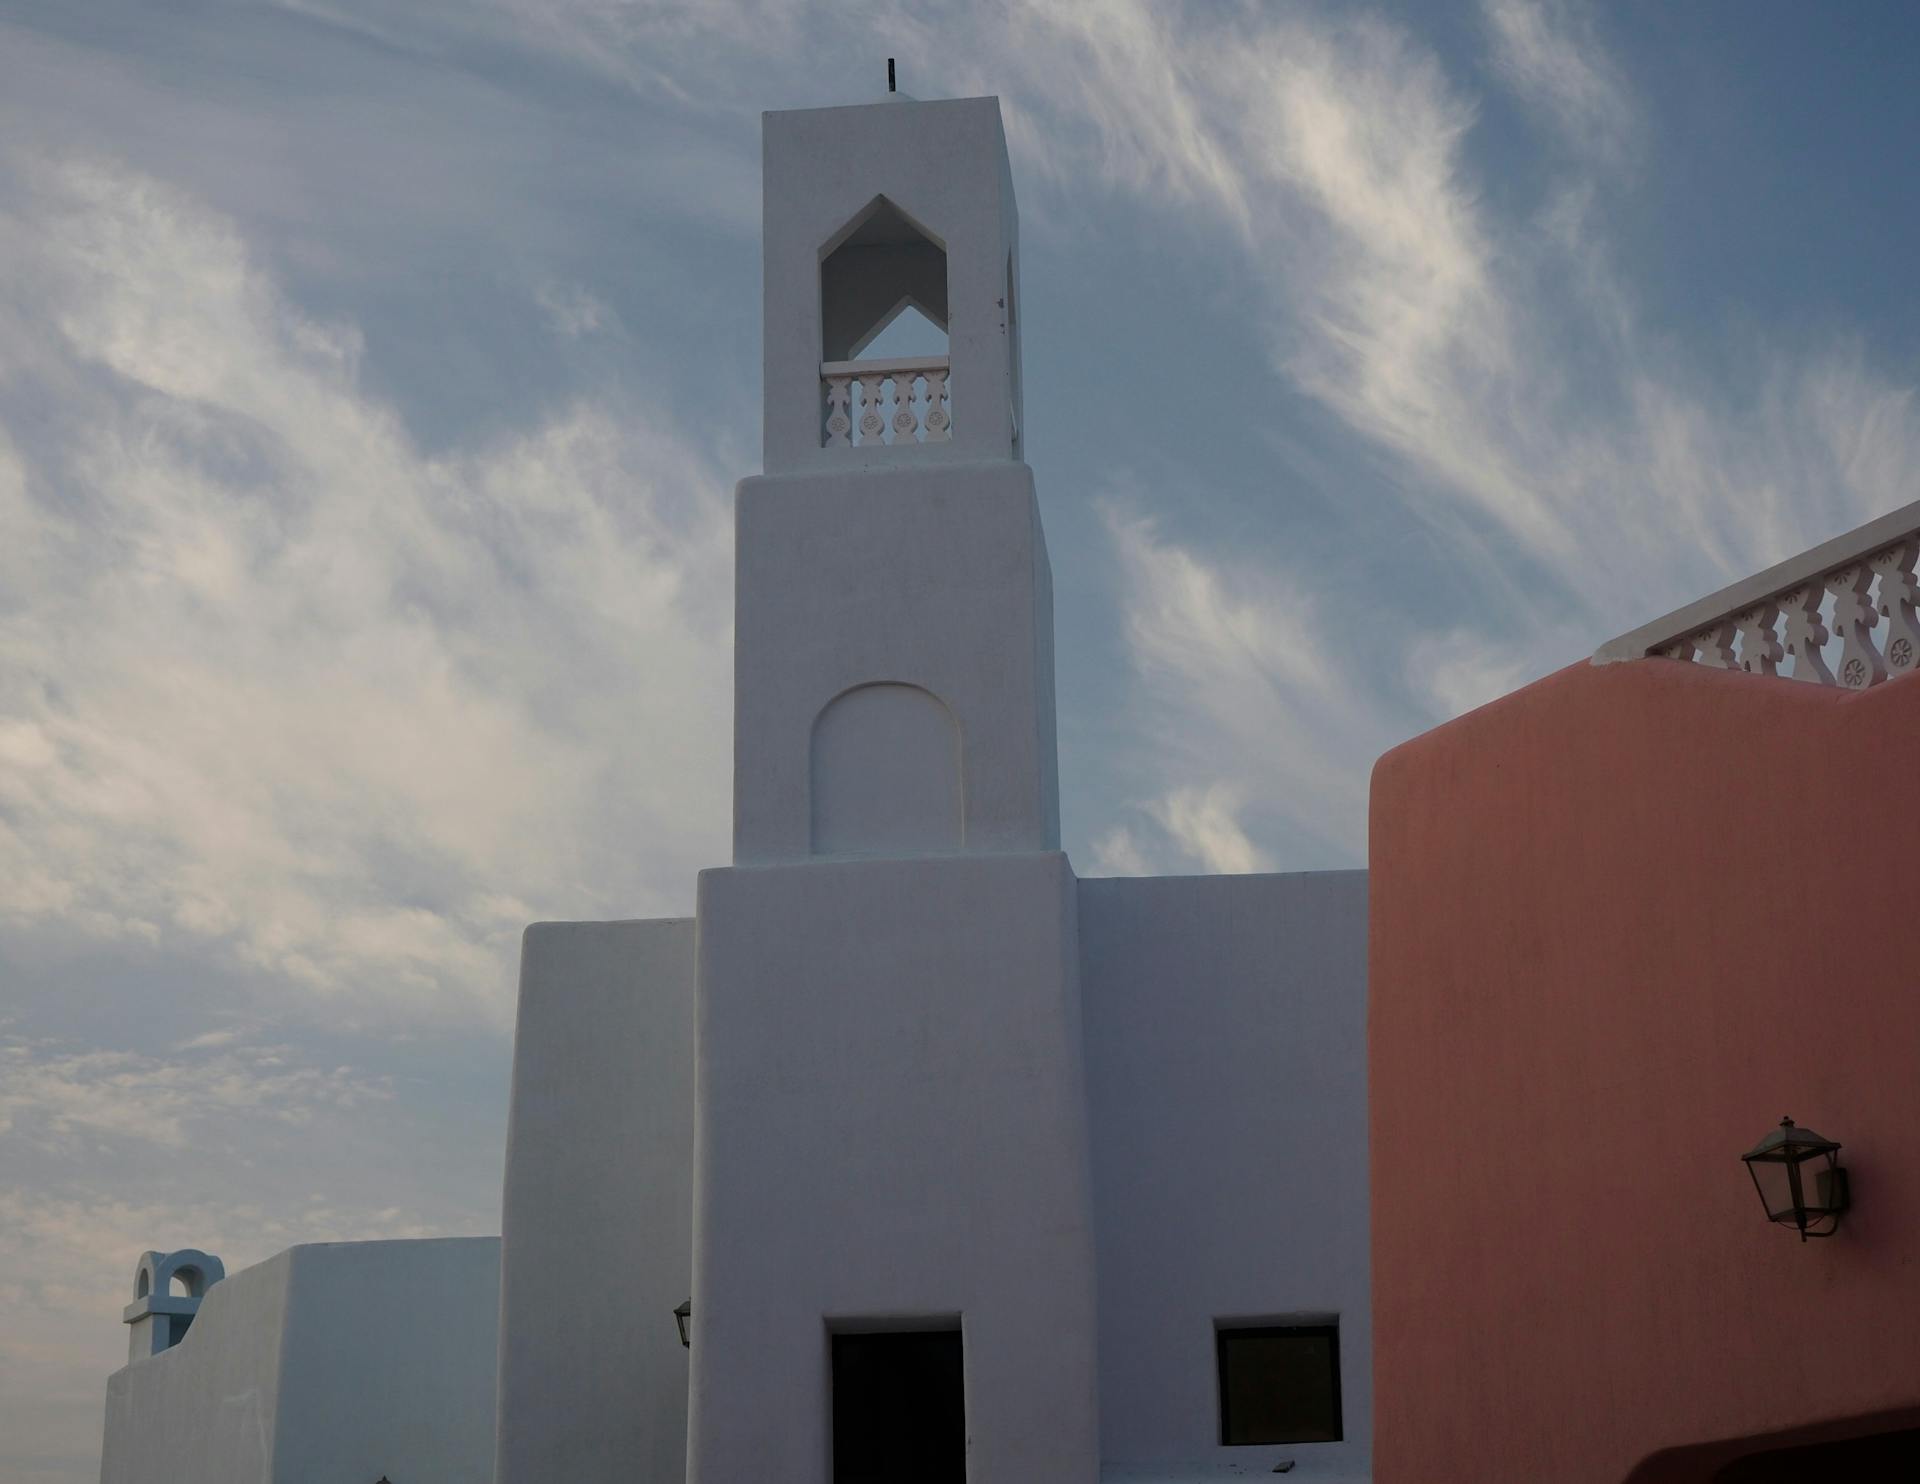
[(895, 402), (1837, 591)]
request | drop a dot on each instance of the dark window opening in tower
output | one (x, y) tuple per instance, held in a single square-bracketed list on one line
[(883, 331)]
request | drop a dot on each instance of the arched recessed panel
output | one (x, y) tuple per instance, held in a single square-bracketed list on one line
[(886, 774)]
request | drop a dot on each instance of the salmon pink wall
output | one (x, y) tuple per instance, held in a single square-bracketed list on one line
[(1622, 921)]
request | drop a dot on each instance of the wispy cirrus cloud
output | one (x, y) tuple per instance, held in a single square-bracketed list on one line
[(1567, 470), (1240, 679), (1571, 472), (273, 679), (58, 1097), (1549, 53)]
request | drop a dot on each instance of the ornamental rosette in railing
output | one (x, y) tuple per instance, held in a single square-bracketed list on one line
[(1841, 589), (895, 402)]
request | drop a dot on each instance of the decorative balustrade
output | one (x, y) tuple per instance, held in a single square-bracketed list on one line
[(894, 402), (1838, 590)]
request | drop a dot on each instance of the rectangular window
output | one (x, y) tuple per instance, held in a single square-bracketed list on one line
[(899, 1408), (1280, 1384)]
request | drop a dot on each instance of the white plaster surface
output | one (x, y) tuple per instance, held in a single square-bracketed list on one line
[(934, 577), (597, 1216), (333, 1362), (1226, 1065), (944, 164), (891, 1123)]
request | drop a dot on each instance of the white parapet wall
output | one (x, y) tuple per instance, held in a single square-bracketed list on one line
[(1226, 1075), (334, 1363), (598, 1216)]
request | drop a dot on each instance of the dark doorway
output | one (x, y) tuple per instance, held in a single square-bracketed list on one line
[(899, 1408), (1883, 1458)]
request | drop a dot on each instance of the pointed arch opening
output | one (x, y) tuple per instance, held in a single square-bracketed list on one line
[(875, 268), (883, 331)]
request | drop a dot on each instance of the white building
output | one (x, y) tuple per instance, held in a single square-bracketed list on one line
[(970, 1168), (333, 1363)]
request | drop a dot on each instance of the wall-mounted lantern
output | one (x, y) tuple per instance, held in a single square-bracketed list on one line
[(1799, 1179), (683, 1316)]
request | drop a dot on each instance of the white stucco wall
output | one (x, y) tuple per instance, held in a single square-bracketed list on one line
[(936, 578), (597, 1215), (338, 1361), (1226, 1066), (891, 1124), (389, 1362)]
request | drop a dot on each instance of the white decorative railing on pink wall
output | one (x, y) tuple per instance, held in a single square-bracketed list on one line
[(895, 402), (1838, 590)]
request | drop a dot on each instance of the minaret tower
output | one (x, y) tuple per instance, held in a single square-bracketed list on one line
[(892, 1210)]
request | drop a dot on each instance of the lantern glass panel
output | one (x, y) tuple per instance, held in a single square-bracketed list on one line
[(1776, 1188), (1816, 1179)]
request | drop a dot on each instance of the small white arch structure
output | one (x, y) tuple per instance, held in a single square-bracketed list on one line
[(167, 1290), (886, 774)]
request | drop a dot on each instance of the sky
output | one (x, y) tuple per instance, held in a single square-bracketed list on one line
[(374, 379)]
